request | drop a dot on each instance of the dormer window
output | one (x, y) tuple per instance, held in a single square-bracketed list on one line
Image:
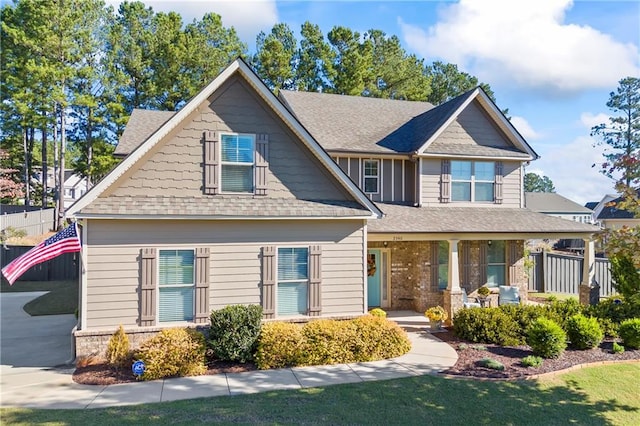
[(237, 162), (472, 181), (371, 176)]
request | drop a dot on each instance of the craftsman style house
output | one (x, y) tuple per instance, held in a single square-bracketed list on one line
[(312, 205)]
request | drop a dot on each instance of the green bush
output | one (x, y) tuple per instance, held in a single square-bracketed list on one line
[(234, 332), (561, 310), (546, 338), (320, 342), (583, 332), (118, 350), (524, 316), (612, 311), (279, 345), (626, 278), (532, 361), (377, 312), (630, 333), (488, 325), (617, 348), (174, 352), (491, 363)]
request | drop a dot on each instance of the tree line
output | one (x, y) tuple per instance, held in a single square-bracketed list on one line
[(73, 71)]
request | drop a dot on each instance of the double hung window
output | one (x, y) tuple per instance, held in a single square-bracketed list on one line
[(443, 265), (293, 280), (176, 282), (371, 176), (472, 181), (496, 263), (238, 160)]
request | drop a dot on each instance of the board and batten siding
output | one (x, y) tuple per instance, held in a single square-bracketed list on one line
[(430, 175), (174, 167), (113, 261), (396, 177)]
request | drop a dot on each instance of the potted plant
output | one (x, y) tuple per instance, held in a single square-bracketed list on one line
[(436, 316), (483, 292)]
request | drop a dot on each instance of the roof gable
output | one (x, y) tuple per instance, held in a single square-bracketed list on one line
[(505, 141), (550, 202), (240, 68)]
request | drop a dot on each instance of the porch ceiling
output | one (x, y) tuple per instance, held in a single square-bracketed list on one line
[(403, 219)]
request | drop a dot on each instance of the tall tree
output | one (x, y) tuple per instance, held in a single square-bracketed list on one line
[(315, 60), (533, 182), (622, 134), (275, 59), (447, 82), (353, 62)]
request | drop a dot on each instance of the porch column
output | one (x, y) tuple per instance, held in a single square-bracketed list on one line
[(454, 267), (452, 299), (588, 284)]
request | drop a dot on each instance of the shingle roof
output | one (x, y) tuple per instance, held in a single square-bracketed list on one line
[(610, 211), (591, 205), (222, 207), (409, 219), (550, 202), (142, 124)]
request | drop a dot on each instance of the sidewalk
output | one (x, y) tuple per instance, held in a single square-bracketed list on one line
[(50, 387)]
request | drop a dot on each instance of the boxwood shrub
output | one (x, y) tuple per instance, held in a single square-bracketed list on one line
[(487, 325), (234, 331), (583, 332), (546, 338), (630, 333), (279, 345)]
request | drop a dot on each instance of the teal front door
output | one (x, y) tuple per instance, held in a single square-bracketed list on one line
[(374, 283)]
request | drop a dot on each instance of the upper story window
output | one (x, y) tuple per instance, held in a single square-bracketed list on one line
[(237, 162), (472, 181), (371, 176)]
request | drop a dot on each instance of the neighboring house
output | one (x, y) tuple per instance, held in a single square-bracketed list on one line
[(75, 186), (608, 214), (554, 204), (228, 201), (242, 197)]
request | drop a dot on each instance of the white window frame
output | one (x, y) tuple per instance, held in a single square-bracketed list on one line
[(278, 281), (235, 163), (473, 181), (192, 285), (365, 176)]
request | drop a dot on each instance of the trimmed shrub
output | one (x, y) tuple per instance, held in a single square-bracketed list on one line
[(377, 312), (367, 338), (532, 361), (612, 311), (583, 332), (630, 333), (118, 350), (491, 363), (488, 325), (561, 310), (617, 348), (174, 352), (234, 332), (524, 316), (546, 338), (279, 345)]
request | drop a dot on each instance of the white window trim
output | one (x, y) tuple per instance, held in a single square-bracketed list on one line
[(365, 176), (234, 163), (473, 182), (193, 285), (308, 280)]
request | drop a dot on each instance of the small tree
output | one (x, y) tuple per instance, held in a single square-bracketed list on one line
[(626, 279), (536, 183)]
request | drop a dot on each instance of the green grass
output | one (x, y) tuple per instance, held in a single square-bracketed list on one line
[(605, 395), (558, 296), (62, 296)]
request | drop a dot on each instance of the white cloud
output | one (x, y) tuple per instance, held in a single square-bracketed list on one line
[(526, 43), (589, 120), (525, 129), (569, 167), (248, 17)]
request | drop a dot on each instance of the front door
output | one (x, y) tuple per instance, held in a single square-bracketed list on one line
[(374, 281)]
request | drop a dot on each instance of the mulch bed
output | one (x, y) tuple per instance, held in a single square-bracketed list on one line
[(469, 354)]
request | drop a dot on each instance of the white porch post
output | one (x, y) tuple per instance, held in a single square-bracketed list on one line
[(588, 272), (454, 271)]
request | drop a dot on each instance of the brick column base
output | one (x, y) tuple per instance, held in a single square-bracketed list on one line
[(452, 303), (589, 295)]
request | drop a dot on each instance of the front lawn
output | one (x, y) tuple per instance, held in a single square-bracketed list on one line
[(605, 395), (62, 296)]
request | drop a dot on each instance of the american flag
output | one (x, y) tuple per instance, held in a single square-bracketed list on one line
[(65, 241)]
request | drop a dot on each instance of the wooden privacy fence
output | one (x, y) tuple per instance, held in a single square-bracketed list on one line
[(36, 222), (63, 267), (562, 273)]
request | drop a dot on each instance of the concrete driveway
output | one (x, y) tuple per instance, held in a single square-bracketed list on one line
[(36, 342)]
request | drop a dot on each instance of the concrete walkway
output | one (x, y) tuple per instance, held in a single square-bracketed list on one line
[(23, 384)]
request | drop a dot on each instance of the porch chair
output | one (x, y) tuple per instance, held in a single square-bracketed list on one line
[(466, 303), (508, 295)]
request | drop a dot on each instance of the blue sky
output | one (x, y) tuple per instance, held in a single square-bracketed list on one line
[(551, 62)]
